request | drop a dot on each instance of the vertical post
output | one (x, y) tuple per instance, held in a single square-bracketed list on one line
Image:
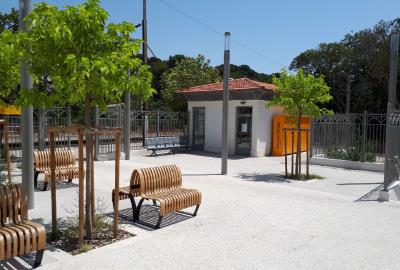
[(27, 117), (348, 92), (144, 31), (7, 150), (145, 128), (285, 152), (391, 106), (81, 188), (93, 205), (292, 153), (127, 125), (225, 106), (364, 136), (158, 122), (96, 138), (41, 129), (69, 123), (308, 155), (116, 184), (53, 184)]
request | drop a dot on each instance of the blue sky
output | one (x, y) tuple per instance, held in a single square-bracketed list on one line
[(278, 30)]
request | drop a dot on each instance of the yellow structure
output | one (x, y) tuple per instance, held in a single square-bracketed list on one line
[(9, 110), (280, 122)]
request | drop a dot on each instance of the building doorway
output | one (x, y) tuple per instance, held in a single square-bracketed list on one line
[(199, 130), (243, 130)]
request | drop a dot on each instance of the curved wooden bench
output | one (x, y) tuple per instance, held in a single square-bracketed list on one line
[(164, 185), (18, 236), (65, 166), (129, 192)]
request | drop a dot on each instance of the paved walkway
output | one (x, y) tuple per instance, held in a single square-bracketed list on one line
[(250, 219)]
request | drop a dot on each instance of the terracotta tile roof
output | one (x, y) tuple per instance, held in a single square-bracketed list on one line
[(234, 84)]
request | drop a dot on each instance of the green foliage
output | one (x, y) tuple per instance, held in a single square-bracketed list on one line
[(82, 55), (353, 153), (188, 72), (9, 65), (244, 71), (300, 94), (364, 54), (9, 21)]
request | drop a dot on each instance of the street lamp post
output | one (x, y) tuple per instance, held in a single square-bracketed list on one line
[(27, 117), (225, 106)]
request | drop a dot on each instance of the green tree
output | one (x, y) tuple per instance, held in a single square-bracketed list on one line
[(9, 21), (188, 72), (86, 59), (364, 54), (300, 95), (9, 66)]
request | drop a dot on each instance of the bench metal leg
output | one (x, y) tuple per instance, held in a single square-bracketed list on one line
[(195, 211), (159, 222), (154, 202), (134, 208), (45, 184), (137, 213), (38, 258), (69, 181), (35, 178)]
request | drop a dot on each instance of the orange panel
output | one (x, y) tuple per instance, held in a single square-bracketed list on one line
[(278, 135), (9, 110)]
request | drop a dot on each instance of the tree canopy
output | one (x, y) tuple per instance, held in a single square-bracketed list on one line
[(188, 72), (364, 54), (82, 55), (300, 94)]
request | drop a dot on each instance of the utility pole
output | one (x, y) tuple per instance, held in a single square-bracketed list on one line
[(348, 92), (144, 32), (27, 117), (390, 141), (225, 106)]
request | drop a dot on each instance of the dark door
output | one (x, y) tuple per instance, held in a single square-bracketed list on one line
[(243, 130), (199, 130)]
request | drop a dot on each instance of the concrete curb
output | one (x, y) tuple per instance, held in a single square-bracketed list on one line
[(348, 164)]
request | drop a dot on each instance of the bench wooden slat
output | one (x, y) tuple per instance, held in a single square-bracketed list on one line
[(18, 236), (65, 165)]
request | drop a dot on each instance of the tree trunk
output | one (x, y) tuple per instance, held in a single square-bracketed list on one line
[(298, 158), (89, 157)]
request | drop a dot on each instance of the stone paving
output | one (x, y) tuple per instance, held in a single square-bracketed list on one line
[(250, 219)]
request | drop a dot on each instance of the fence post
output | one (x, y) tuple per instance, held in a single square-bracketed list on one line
[(158, 122), (41, 129), (364, 135), (69, 122), (146, 128)]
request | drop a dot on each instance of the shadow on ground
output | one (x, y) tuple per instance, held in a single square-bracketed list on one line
[(372, 195), (262, 177), (149, 217), (59, 185)]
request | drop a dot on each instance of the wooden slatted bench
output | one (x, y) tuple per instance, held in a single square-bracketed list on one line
[(162, 184), (18, 235), (65, 166)]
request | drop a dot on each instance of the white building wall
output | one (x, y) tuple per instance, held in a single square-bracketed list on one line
[(261, 125)]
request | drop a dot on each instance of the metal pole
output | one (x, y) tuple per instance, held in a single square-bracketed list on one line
[(158, 122), (391, 106), (348, 92), (27, 117), (225, 106), (127, 125), (41, 129), (144, 31), (69, 123), (96, 137)]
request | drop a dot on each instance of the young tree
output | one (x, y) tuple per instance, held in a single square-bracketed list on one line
[(86, 59), (9, 66), (188, 72), (300, 95)]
